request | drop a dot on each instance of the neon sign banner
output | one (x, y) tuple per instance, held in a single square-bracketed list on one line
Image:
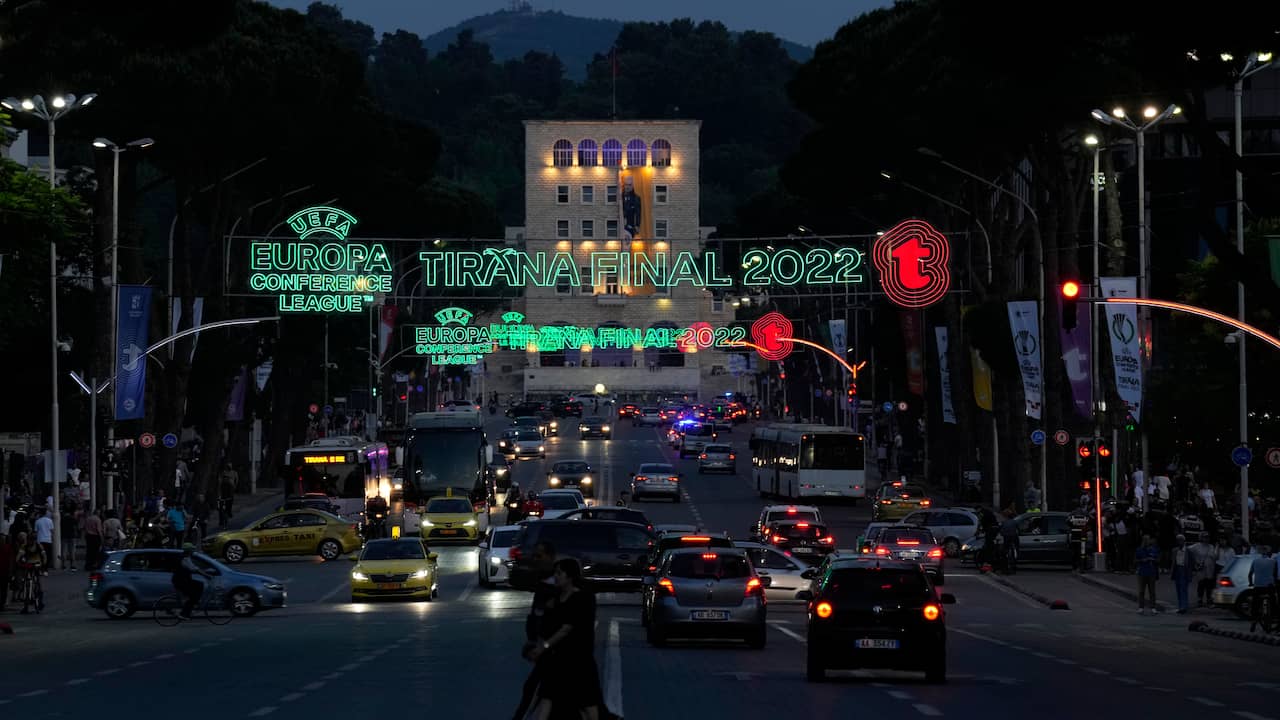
[(914, 263)]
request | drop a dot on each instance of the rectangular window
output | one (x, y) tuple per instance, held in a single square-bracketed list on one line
[(660, 228), (660, 194), (588, 194), (611, 228), (562, 194), (611, 194), (562, 228), (717, 305), (562, 285), (588, 228), (585, 273), (611, 283)]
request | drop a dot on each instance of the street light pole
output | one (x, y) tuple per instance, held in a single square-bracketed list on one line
[(1094, 394)]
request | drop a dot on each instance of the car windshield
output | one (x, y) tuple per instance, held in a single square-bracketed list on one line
[(655, 469), (558, 501), (873, 585), (717, 450), (698, 430), (527, 420), (393, 550), (708, 565), (449, 505), (503, 538), (650, 411), (529, 435), (570, 467), (907, 537)]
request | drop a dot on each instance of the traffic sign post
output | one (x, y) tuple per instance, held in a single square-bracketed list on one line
[(1242, 456), (328, 409), (169, 440), (1273, 457), (147, 440), (313, 408), (887, 407), (1037, 437), (1062, 437)]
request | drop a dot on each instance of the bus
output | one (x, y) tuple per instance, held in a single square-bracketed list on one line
[(445, 451), (791, 461), (347, 469)]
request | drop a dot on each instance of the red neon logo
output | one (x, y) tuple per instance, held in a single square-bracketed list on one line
[(913, 260), (767, 332)]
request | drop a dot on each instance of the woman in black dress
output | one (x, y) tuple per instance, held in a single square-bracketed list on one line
[(571, 681)]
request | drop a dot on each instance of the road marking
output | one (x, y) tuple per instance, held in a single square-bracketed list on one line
[(879, 684), (1043, 655), (899, 694), (789, 633), (1153, 688), (139, 663), (33, 693), (1066, 661), (262, 711), (1205, 701), (108, 671), (190, 651), (313, 686), (333, 676), (163, 656), (291, 697), (1096, 671), (380, 651), (1251, 716), (927, 710), (1012, 593), (349, 667), (331, 593), (78, 681), (976, 636), (613, 670), (1127, 681), (471, 586)]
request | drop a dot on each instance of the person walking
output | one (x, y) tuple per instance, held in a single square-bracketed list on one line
[(1148, 561), (1180, 571), (536, 623), (571, 681), (44, 536), (92, 540), (177, 520), (1204, 560), (112, 532), (1009, 534), (1262, 578), (70, 532), (228, 482), (1031, 497)]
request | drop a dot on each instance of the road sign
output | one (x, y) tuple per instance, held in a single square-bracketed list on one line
[(147, 440), (169, 440), (328, 409), (1037, 437), (902, 406), (400, 377), (1273, 457), (887, 407), (1242, 456), (1062, 437), (313, 408)]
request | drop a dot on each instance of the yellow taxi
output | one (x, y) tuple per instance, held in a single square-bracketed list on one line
[(896, 501), (401, 568), (450, 517), (292, 532)]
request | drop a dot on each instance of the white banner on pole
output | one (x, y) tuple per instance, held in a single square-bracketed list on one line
[(944, 376), (1126, 347), (1025, 324), (839, 336), (197, 314)]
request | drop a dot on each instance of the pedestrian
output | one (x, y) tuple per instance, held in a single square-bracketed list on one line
[(1262, 578), (1031, 496), (229, 482), (882, 460), (69, 532), (1148, 561), (8, 555), (112, 532), (1207, 498), (1226, 556), (177, 519), (1204, 559), (44, 536), (544, 592), (199, 520), (571, 680), (1181, 571), (92, 540), (1009, 534)]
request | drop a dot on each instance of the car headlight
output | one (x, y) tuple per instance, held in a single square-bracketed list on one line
[(555, 425), (276, 586), (554, 481), (586, 480), (495, 560), (470, 523), (427, 523), (502, 443), (420, 575), (357, 575), (542, 448)]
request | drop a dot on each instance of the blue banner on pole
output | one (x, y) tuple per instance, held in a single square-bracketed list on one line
[(132, 326)]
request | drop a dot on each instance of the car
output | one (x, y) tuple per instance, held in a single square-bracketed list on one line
[(895, 503), (870, 534), (874, 613), (674, 541), (699, 593), (594, 427), (655, 479), (565, 406), (572, 474), (527, 408), (129, 580), (529, 444), (395, 568), (951, 526), (495, 554), (499, 472), (458, 406), (801, 537), (720, 458), (622, 514), (694, 438), (547, 420), (1231, 587), (676, 529), (292, 532), (790, 574), (627, 410), (613, 555), (911, 544), (450, 517), (774, 513), (311, 501), (647, 416), (558, 502), (533, 422), (1043, 537)]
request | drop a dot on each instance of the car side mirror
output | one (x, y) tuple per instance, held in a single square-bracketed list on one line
[(948, 599), (809, 574), (649, 580), (433, 556), (805, 595), (483, 546), (766, 581)]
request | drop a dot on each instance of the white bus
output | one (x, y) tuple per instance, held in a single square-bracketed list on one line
[(348, 469), (808, 461)]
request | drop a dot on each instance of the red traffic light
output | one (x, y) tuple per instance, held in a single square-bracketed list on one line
[(1103, 451), (1085, 451), (1071, 289)]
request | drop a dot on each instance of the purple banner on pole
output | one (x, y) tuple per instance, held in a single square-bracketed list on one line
[(1076, 358), (239, 392)]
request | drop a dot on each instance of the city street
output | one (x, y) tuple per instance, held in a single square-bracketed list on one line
[(459, 655)]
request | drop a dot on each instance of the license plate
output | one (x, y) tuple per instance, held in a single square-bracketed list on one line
[(909, 555), (390, 586), (709, 615), (449, 532), (804, 550), (870, 644), (835, 493)]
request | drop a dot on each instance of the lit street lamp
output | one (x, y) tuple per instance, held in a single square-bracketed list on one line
[(35, 106)]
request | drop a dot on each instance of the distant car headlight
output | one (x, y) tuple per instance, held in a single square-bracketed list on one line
[(555, 425), (586, 480), (274, 586), (420, 575), (427, 523), (357, 575), (605, 428), (470, 523), (554, 480), (542, 448)]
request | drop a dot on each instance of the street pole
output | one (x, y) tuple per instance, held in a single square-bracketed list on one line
[(55, 444), (1093, 320), (1143, 291), (1240, 336), (325, 397), (115, 285)]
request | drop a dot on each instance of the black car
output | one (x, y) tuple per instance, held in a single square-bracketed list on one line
[(612, 554), (525, 409), (621, 514), (499, 473), (575, 474), (869, 613), (804, 539), (565, 406), (595, 427)]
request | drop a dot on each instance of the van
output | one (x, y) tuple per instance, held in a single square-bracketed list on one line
[(613, 554)]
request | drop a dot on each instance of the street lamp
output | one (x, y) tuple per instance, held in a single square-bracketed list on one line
[(62, 104), (1151, 117)]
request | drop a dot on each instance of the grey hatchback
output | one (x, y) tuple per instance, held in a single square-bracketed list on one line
[(130, 580), (707, 592)]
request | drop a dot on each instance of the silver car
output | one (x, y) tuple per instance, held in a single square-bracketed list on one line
[(719, 458), (655, 479), (647, 416), (951, 526), (789, 574), (1231, 586), (530, 444), (495, 554), (707, 592), (130, 580), (914, 544)]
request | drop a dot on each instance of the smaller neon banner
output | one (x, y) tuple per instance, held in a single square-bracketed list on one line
[(323, 459)]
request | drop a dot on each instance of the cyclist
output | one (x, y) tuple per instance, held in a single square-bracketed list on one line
[(185, 582), (31, 563), (1262, 577)]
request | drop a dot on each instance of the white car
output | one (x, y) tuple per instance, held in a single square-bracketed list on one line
[(458, 406), (530, 444), (951, 526), (790, 574), (719, 458), (558, 502), (495, 554), (647, 416), (655, 479)]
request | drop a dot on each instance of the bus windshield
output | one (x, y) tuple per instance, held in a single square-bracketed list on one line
[(344, 480), (439, 460), (831, 452)]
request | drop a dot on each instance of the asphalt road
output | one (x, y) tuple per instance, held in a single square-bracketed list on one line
[(459, 656)]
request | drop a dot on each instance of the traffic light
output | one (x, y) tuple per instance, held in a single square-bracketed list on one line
[(853, 392), (1084, 452), (1130, 424), (1104, 463), (1070, 295)]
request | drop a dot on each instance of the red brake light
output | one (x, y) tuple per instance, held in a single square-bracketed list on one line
[(703, 456), (732, 456), (824, 610), (828, 540), (515, 553), (709, 556), (908, 542), (779, 539), (642, 478), (791, 511), (935, 553), (674, 478), (95, 577), (926, 503), (695, 538), (886, 502), (932, 612), (753, 585), (667, 585), (802, 525), (882, 551), (1225, 582)]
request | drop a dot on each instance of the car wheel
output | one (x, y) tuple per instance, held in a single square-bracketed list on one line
[(330, 550), (120, 604), (656, 636), (234, 552), (1243, 606), (937, 671), (951, 547), (242, 602), (757, 639)]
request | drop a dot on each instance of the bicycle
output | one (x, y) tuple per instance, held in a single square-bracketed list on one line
[(29, 590), (1262, 613), (167, 611)]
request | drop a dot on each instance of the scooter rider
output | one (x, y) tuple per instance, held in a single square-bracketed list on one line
[(375, 515)]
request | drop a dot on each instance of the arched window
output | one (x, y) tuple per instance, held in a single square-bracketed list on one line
[(663, 357), (637, 153), (562, 153), (611, 153), (587, 154), (661, 153), (611, 356)]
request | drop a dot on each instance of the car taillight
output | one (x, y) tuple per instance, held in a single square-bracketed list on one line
[(732, 456), (828, 540), (673, 478), (779, 539), (932, 612), (882, 551), (823, 610), (908, 542), (95, 578), (641, 478), (703, 456), (935, 553), (802, 525), (695, 538), (926, 503), (1225, 582), (666, 585), (515, 553), (754, 586), (886, 502)]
